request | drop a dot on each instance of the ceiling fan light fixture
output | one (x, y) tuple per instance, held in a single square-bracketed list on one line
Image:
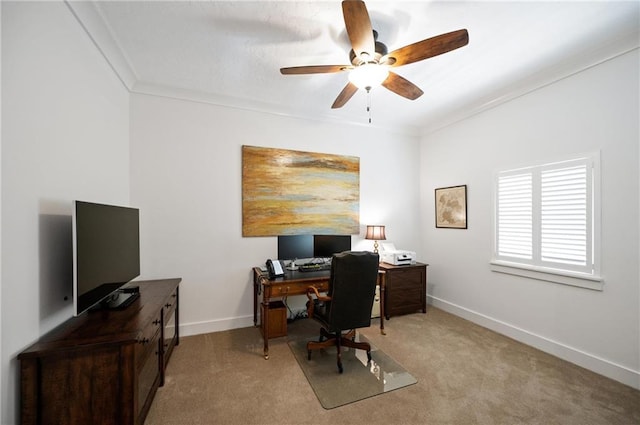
[(371, 60), (368, 75)]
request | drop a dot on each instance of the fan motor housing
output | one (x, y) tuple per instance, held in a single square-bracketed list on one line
[(380, 51)]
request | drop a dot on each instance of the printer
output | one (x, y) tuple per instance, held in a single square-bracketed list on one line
[(390, 255)]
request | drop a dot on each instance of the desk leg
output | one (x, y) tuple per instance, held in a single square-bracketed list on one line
[(255, 300), (383, 284), (265, 326)]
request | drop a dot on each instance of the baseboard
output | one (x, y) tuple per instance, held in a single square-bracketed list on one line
[(588, 361), (197, 328)]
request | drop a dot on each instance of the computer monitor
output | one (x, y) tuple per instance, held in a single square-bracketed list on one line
[(324, 246), (291, 247)]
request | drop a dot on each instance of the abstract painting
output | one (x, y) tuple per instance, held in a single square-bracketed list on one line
[(287, 192)]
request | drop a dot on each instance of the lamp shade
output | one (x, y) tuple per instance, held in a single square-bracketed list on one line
[(375, 233)]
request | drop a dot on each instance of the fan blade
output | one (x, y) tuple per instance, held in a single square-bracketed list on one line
[(314, 69), (347, 92), (402, 86), (358, 24), (428, 48)]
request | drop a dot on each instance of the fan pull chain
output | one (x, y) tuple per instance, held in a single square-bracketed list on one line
[(369, 103)]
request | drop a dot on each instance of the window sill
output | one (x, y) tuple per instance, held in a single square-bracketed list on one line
[(566, 278)]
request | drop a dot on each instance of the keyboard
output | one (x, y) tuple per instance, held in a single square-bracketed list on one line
[(314, 267)]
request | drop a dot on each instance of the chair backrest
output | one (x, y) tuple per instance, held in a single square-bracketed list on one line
[(352, 288)]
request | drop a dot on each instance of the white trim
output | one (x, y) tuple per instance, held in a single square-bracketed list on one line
[(567, 68), (550, 275), (218, 325), (259, 106), (573, 355), (94, 25)]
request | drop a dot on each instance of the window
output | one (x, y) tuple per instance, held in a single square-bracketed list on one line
[(547, 221)]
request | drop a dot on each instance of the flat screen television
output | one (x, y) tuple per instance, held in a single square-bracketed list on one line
[(106, 254), (324, 246)]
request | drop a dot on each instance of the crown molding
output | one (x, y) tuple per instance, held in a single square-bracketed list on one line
[(260, 107), (94, 25), (536, 79)]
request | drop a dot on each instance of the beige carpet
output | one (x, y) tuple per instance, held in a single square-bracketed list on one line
[(466, 375)]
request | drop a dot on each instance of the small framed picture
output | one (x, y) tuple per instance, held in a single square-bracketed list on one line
[(451, 207)]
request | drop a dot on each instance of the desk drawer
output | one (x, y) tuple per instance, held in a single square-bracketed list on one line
[(293, 288), (146, 341), (149, 376), (170, 304)]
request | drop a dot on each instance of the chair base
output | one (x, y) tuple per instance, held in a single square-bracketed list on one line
[(338, 340)]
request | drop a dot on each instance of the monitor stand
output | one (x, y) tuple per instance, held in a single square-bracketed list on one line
[(292, 266)]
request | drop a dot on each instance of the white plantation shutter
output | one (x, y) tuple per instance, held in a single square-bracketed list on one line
[(545, 216), (515, 216), (565, 216)]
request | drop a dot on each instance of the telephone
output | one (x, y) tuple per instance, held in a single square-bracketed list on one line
[(274, 268)]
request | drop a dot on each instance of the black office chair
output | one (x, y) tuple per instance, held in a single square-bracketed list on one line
[(347, 305)]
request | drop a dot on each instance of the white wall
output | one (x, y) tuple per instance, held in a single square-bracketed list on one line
[(186, 178), (596, 109), (65, 136)]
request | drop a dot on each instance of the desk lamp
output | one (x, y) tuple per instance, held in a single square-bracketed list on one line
[(375, 233)]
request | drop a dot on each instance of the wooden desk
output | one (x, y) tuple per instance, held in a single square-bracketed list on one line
[(293, 283)]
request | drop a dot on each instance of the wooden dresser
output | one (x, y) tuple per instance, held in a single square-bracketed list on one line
[(406, 288), (102, 367)]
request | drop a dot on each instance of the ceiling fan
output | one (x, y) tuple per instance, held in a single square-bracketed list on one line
[(370, 61)]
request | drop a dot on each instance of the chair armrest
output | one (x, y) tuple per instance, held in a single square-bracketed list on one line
[(311, 290)]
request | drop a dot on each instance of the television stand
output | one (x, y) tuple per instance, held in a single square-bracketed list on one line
[(102, 367)]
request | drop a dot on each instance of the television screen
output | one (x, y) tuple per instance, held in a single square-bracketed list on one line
[(106, 251), (324, 246), (292, 247)]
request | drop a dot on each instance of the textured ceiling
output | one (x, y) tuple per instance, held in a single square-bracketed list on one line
[(230, 52)]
